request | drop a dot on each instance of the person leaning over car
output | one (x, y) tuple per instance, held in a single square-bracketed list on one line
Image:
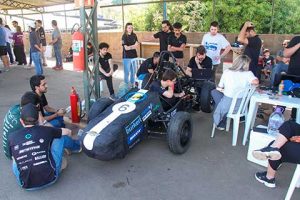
[(165, 88)]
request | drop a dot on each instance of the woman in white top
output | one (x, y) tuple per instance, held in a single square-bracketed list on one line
[(232, 81)]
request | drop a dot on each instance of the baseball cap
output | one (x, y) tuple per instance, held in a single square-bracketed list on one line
[(31, 24), (29, 113)]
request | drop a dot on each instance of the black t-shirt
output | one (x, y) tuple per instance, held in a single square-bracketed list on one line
[(163, 39), (206, 63), (129, 40), (268, 62), (294, 66), (42, 35), (31, 150), (155, 86), (147, 64), (104, 62), (252, 50), (177, 42), (43, 103)]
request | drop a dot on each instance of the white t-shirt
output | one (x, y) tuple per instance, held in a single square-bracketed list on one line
[(213, 46), (234, 81)]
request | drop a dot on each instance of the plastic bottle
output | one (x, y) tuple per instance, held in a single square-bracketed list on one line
[(275, 121), (280, 88)]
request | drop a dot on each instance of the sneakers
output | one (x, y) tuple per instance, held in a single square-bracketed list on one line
[(262, 177), (45, 65), (220, 128), (113, 97), (267, 153), (58, 68)]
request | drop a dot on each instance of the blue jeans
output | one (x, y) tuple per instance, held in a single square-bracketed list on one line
[(279, 67), (36, 58), (128, 71), (58, 57), (11, 57), (57, 151), (57, 122)]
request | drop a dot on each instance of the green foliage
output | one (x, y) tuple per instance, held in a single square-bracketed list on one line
[(231, 14)]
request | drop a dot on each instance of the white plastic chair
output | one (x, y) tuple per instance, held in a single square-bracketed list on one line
[(242, 111), (294, 183), (136, 63)]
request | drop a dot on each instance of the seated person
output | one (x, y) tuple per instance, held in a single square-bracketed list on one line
[(200, 66), (268, 62), (148, 66), (232, 81), (12, 121), (39, 86), (165, 89), (279, 68), (69, 56), (285, 148), (90, 49), (37, 151), (279, 54), (106, 67)]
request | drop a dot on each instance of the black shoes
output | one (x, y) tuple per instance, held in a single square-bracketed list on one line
[(262, 178)]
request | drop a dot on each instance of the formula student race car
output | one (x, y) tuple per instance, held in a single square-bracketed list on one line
[(115, 127)]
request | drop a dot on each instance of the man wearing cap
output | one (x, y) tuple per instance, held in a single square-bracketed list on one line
[(37, 151), (35, 48), (12, 122), (248, 37), (3, 48), (39, 85)]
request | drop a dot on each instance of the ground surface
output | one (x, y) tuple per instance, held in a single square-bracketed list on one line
[(210, 169)]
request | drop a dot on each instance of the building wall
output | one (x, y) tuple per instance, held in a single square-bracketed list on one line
[(271, 41)]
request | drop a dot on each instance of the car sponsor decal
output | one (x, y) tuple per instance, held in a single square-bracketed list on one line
[(136, 122), (136, 133)]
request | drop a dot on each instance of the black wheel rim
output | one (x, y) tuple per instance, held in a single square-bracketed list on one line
[(185, 134)]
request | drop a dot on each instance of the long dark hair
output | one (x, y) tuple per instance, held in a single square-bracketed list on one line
[(168, 24), (125, 30)]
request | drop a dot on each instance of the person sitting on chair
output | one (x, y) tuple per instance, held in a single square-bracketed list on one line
[(232, 81), (165, 88), (285, 148)]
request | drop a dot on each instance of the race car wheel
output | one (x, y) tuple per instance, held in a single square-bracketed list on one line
[(206, 100), (98, 107), (179, 132)]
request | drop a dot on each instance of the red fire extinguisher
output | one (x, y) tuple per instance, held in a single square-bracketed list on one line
[(75, 106), (78, 50)]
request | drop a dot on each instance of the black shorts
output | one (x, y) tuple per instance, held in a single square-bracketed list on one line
[(3, 50)]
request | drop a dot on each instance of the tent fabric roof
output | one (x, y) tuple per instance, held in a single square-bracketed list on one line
[(30, 4)]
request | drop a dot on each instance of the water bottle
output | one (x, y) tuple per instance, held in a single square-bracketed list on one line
[(280, 88), (275, 121)]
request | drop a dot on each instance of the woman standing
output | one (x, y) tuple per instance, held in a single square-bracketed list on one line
[(19, 47), (232, 81), (130, 44)]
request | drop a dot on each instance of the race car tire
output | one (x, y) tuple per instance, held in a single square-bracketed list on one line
[(179, 133), (206, 101), (98, 107)]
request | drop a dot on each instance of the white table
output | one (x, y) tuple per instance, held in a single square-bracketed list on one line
[(258, 98)]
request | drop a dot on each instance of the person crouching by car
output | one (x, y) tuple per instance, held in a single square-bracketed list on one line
[(165, 88), (148, 66), (232, 81)]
